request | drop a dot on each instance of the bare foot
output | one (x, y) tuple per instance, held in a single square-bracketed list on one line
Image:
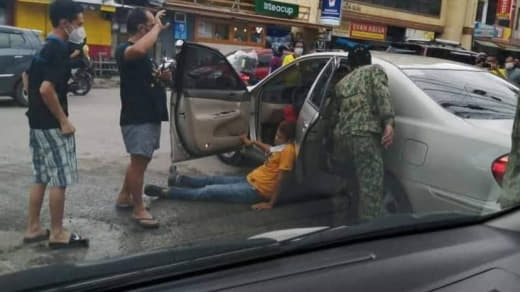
[(35, 233), (62, 237), (124, 199), (141, 213)]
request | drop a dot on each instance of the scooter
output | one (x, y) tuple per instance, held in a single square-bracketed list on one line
[(82, 80)]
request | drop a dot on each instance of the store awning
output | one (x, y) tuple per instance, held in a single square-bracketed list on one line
[(487, 44), (510, 48), (204, 10)]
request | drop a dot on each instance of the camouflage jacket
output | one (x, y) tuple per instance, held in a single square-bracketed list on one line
[(362, 102)]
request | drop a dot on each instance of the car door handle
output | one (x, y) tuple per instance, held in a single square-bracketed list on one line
[(18, 57)]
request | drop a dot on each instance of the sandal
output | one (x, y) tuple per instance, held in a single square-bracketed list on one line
[(37, 238), (75, 240), (148, 223)]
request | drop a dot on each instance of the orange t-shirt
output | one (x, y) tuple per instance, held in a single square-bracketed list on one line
[(265, 178)]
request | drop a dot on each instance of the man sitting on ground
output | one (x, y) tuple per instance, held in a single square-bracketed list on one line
[(260, 187)]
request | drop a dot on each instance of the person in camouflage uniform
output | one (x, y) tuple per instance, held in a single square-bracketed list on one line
[(364, 124), (510, 195)]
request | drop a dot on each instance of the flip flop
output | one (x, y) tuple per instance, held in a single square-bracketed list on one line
[(75, 240), (148, 223), (38, 238), (124, 206)]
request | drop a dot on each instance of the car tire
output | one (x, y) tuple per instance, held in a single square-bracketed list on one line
[(19, 96), (234, 158), (395, 200)]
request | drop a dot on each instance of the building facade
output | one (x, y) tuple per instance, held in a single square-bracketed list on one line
[(33, 14), (396, 21), (235, 24)]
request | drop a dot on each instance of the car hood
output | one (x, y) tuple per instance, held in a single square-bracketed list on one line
[(497, 126)]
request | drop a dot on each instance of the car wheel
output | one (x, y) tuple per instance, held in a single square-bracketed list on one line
[(394, 200), (19, 96), (232, 158)]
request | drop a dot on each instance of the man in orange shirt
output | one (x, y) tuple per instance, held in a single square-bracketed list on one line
[(259, 187)]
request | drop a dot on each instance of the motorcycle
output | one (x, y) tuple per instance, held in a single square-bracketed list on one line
[(81, 81)]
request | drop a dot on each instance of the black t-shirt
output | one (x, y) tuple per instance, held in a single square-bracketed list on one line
[(50, 64), (143, 98)]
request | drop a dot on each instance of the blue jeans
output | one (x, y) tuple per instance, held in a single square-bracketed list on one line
[(233, 189)]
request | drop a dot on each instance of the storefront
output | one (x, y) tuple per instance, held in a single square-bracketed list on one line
[(399, 21), (33, 14), (252, 24)]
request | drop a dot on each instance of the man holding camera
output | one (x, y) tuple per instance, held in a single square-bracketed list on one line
[(143, 107)]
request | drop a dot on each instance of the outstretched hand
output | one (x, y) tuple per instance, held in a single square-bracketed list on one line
[(245, 140)]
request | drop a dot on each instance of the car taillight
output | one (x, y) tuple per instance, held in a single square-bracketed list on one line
[(499, 167)]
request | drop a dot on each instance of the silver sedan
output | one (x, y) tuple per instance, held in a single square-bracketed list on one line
[(453, 124)]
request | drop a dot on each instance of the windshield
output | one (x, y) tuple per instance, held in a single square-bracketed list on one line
[(468, 94), (212, 133)]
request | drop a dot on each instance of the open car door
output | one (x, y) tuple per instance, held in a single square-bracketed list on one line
[(209, 104), (311, 124)]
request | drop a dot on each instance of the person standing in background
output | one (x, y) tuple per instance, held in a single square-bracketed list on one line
[(52, 139), (143, 107), (492, 63), (297, 52), (512, 72), (276, 60)]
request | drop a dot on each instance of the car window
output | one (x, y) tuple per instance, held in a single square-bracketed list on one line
[(208, 70), (468, 94), (292, 84), (4, 40), (322, 86), (18, 41)]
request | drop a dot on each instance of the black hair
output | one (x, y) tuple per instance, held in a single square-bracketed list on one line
[(63, 9), (280, 50), (136, 17), (288, 129), (359, 56)]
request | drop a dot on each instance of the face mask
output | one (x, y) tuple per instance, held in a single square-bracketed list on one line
[(298, 51), (77, 35), (510, 65)]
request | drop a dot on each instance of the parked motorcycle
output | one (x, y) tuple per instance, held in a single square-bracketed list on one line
[(81, 81)]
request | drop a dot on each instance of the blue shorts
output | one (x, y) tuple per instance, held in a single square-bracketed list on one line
[(142, 139), (53, 158)]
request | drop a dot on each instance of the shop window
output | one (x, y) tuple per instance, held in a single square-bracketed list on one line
[(227, 32), (205, 30), (257, 34), (221, 31), (430, 7), (240, 33), (4, 40)]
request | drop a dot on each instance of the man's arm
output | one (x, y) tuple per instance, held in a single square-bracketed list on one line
[(143, 45), (50, 98), (384, 106), (75, 54)]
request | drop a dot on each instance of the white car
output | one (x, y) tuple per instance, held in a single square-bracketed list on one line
[(453, 124)]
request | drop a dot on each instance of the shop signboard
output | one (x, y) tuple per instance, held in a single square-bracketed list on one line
[(504, 9), (331, 12), (277, 9), (485, 31), (419, 34), (343, 30), (367, 31)]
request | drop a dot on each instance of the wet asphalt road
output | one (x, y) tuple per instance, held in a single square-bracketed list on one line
[(90, 204)]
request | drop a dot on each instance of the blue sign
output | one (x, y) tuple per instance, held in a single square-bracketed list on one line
[(331, 12), (180, 31)]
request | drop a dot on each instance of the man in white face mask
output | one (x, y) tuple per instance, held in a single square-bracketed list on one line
[(77, 40), (512, 72)]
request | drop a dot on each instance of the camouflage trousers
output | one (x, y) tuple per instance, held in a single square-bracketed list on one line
[(510, 195), (362, 157)]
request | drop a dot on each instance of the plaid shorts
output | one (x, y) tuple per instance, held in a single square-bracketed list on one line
[(53, 158)]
